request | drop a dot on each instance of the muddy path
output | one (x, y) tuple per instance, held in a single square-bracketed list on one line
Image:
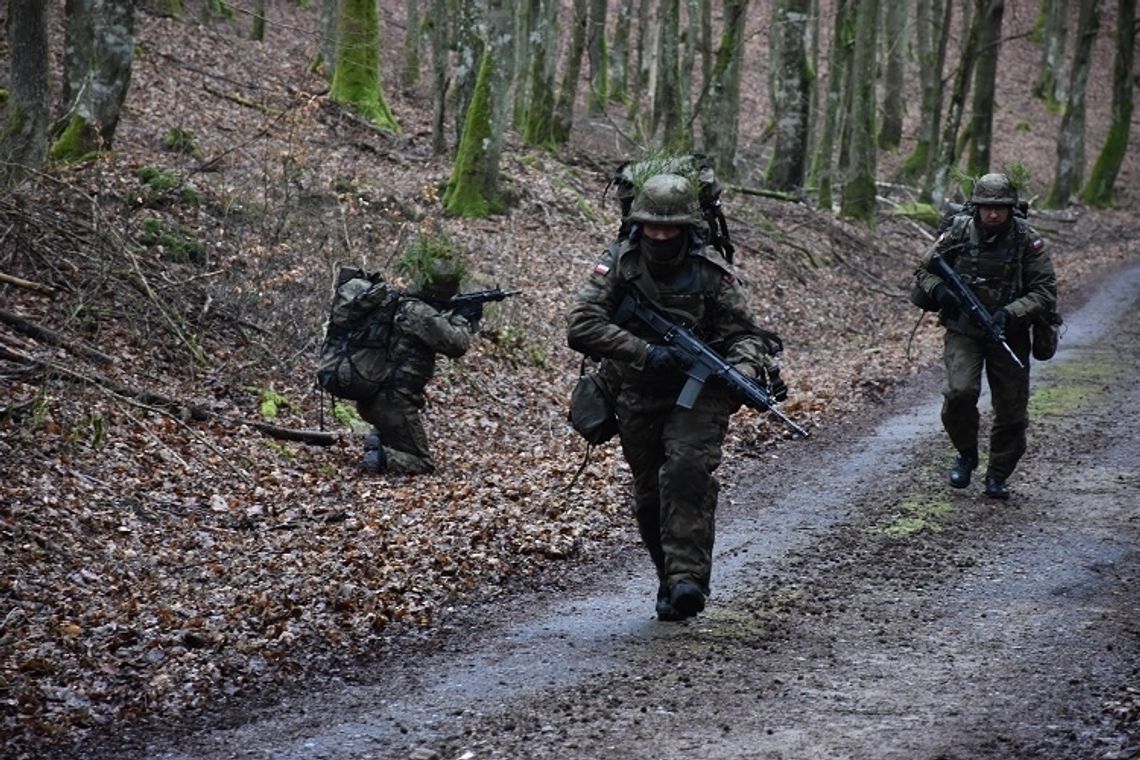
[(861, 609)]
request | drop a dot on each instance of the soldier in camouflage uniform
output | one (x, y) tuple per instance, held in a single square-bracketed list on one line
[(1004, 262), (420, 331), (672, 452)]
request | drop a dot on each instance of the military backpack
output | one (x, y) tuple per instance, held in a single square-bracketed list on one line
[(354, 360)]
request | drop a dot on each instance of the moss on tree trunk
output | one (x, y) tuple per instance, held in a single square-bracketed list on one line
[(472, 191), (356, 81), (78, 141)]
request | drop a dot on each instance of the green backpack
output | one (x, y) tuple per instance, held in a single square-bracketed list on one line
[(354, 361)]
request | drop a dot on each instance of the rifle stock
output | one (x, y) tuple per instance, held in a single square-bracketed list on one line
[(981, 316), (706, 363)]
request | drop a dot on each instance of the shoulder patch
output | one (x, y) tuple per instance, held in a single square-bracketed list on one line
[(728, 279), (1037, 244), (601, 269)]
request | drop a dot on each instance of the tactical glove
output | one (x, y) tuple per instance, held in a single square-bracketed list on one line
[(472, 312), (777, 389), (666, 359), (948, 302), (1000, 319)]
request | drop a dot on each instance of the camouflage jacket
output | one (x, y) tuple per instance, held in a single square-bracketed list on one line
[(1012, 271), (419, 332), (704, 294)]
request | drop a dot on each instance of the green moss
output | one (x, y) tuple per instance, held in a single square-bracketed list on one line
[(157, 179), (178, 140), (270, 402), (917, 513), (1098, 190), (78, 142), (1023, 126), (518, 347), (471, 191), (923, 212), (356, 81)]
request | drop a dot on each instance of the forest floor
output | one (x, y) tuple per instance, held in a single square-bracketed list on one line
[(170, 575)]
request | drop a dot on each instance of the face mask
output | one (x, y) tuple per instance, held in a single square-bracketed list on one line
[(663, 251)]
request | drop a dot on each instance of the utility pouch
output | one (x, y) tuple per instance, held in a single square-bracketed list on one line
[(1045, 334), (593, 403)]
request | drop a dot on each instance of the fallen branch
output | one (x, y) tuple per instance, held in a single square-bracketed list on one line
[(19, 282), (780, 196), (172, 406), (44, 335)]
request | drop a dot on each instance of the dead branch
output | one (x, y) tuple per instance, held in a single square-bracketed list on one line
[(168, 405), (776, 194), (26, 284), (44, 335)]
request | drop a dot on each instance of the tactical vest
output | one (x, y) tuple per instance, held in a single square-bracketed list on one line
[(991, 270)]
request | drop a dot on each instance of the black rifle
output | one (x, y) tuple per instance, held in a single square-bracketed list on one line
[(940, 267), (706, 363), (458, 302)]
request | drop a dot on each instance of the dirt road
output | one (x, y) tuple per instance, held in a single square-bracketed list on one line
[(861, 609)]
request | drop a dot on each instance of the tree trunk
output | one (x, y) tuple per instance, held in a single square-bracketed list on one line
[(931, 29), (501, 48), (257, 34), (439, 38), (469, 47), (571, 72), (596, 50), (837, 74), (668, 119), (894, 105), (77, 48), (95, 116), (472, 191), (1071, 140), (413, 34), (720, 112), (1050, 81), (939, 173), (1099, 189), (792, 95), (989, 14), (327, 21), (859, 182), (23, 141), (538, 122), (619, 53), (356, 82)]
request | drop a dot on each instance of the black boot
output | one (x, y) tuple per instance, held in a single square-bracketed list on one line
[(996, 488), (375, 460), (687, 598), (963, 467), (665, 609)]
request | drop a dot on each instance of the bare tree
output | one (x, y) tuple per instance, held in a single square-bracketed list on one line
[(356, 82), (859, 175), (596, 51), (1051, 81), (413, 47), (23, 141), (932, 28), (939, 173), (791, 94), (838, 72), (989, 15), (894, 104), (720, 110), (439, 44), (619, 53), (568, 89), (1071, 140), (98, 99), (668, 114), (1099, 189)]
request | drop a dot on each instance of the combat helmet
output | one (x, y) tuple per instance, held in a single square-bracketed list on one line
[(994, 190), (666, 199)]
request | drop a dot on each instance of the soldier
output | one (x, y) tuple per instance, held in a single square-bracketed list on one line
[(672, 452), (1004, 262), (420, 330)]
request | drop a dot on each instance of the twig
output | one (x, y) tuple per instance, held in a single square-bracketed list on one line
[(26, 284), (45, 335)]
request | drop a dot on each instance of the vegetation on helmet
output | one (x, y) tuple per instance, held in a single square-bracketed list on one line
[(667, 199), (433, 265)]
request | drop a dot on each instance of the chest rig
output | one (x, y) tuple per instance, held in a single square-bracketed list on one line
[(687, 294), (992, 269)]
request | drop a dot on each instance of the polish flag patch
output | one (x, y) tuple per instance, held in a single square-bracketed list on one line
[(1038, 244), (601, 269)]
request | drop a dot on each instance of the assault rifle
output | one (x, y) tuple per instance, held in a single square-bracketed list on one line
[(706, 363), (470, 304), (981, 316)]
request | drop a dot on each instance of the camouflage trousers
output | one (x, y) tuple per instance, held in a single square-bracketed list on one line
[(673, 453), (395, 413), (965, 356)]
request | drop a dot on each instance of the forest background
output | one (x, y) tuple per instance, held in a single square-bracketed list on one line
[(183, 520)]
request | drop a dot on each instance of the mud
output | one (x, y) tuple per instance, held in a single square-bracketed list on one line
[(861, 609)]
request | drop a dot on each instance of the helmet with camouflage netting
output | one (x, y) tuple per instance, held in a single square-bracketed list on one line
[(994, 190), (666, 199)]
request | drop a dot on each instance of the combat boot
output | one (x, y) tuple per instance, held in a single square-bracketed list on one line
[(686, 598), (375, 460), (665, 609), (963, 467), (996, 488)]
